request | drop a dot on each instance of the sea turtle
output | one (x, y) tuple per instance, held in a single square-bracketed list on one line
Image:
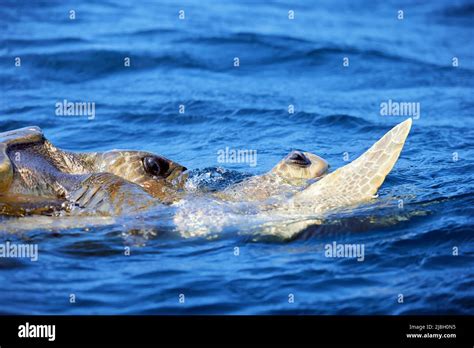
[(36, 177), (350, 185), (288, 176)]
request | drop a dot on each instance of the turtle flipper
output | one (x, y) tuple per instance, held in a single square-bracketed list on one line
[(22, 205), (108, 194), (9, 138), (359, 180)]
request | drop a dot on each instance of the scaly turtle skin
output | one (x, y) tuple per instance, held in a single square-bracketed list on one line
[(289, 176), (36, 177)]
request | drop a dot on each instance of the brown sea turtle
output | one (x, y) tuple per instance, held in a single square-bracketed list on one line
[(36, 177)]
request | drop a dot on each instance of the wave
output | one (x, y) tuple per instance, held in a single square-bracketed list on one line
[(83, 65), (459, 11), (42, 43), (79, 65), (262, 40), (342, 120)]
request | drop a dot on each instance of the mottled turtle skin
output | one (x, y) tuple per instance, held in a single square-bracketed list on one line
[(38, 178), (292, 174)]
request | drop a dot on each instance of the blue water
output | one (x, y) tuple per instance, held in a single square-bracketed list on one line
[(190, 62)]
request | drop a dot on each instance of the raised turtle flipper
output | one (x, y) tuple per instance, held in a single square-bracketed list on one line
[(7, 139), (359, 180)]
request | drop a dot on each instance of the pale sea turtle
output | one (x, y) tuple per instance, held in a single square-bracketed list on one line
[(350, 185), (36, 177)]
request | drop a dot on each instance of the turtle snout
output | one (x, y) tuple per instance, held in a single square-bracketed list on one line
[(175, 171), (178, 169)]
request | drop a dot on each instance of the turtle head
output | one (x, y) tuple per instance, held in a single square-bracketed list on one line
[(301, 165), (158, 175)]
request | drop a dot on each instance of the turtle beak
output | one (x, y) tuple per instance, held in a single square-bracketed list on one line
[(167, 188), (177, 174)]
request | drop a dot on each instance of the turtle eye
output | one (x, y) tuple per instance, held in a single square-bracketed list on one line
[(155, 166)]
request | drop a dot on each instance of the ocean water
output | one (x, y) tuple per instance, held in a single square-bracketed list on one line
[(420, 251)]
